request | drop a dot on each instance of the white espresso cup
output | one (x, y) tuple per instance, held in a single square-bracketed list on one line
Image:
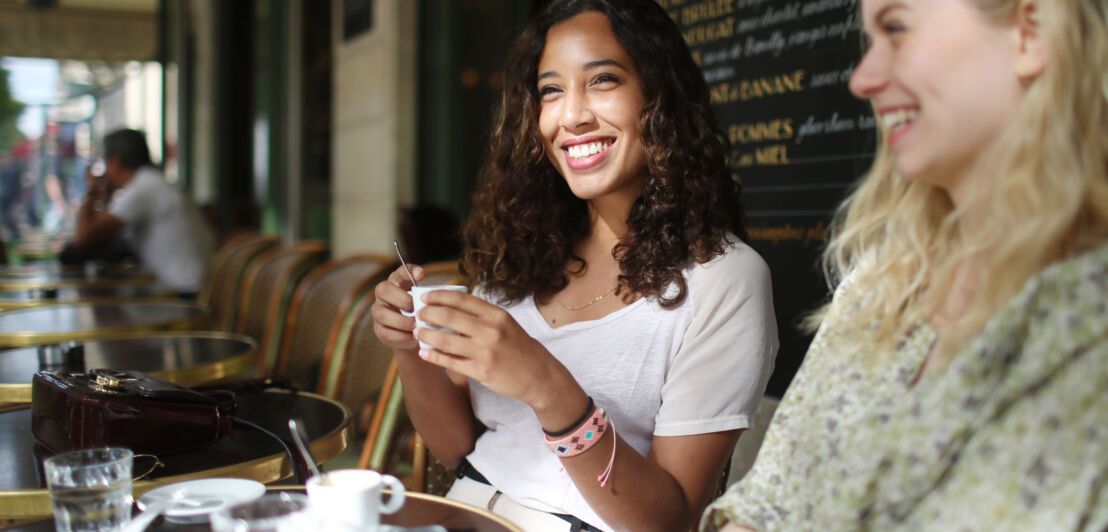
[(351, 498), (417, 301)]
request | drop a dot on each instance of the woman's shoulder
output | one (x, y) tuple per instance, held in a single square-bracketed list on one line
[(739, 265), (736, 279)]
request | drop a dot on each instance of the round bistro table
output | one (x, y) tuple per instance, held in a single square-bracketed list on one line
[(63, 322), (420, 509), (54, 276), (35, 297), (244, 454), (185, 358)]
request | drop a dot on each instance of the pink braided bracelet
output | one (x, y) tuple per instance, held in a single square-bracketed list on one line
[(584, 438)]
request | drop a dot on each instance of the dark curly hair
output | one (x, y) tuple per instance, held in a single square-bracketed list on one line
[(520, 237)]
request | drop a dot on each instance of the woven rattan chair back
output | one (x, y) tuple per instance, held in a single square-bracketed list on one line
[(223, 303), (385, 433), (315, 313), (268, 288), (359, 361), (213, 278)]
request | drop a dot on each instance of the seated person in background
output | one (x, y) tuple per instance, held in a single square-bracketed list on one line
[(605, 250), (959, 378), (161, 223), (114, 251)]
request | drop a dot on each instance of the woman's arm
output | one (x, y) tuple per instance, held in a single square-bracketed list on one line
[(665, 490), (94, 224), (438, 405)]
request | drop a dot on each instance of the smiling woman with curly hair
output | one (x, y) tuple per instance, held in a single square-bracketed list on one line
[(527, 220), (621, 333)]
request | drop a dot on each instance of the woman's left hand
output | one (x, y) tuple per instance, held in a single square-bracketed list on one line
[(489, 347)]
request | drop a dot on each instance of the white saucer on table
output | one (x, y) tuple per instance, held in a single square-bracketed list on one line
[(199, 498)]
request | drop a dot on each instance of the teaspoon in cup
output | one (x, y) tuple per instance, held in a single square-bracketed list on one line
[(404, 263), (298, 437)]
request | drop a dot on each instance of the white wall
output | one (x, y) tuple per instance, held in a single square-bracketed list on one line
[(373, 147)]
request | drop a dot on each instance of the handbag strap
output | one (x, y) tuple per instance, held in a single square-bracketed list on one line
[(257, 386), (299, 463)]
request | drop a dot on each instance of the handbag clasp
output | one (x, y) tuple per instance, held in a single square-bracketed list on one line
[(110, 379)]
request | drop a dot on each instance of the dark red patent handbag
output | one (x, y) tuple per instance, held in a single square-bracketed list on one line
[(76, 410)]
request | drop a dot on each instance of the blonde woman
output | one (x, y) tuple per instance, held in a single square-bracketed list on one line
[(959, 379)]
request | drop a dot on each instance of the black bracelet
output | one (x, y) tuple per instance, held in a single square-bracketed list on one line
[(575, 424)]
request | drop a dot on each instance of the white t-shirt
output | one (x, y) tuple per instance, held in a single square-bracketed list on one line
[(166, 230), (699, 368)]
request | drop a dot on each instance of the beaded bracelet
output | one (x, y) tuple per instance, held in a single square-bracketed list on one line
[(588, 412), (585, 437)]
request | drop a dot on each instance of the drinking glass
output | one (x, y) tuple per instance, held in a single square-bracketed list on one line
[(90, 489), (276, 512)]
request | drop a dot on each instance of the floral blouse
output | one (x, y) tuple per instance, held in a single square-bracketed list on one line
[(1011, 435)]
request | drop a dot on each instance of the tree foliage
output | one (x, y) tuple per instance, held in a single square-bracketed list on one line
[(10, 109)]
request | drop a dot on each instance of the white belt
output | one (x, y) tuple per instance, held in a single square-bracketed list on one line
[(470, 491)]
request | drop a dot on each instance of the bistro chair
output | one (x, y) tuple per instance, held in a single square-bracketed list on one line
[(746, 450), (327, 293), (212, 279), (356, 362), (383, 437), (268, 288), (228, 278)]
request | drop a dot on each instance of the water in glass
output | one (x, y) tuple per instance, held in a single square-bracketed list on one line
[(97, 508), (90, 489)]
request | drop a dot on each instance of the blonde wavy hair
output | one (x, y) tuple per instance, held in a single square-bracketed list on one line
[(1047, 199)]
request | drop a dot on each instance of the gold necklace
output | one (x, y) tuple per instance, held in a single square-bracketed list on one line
[(590, 303)]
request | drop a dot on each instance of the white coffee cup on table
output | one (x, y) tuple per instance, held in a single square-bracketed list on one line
[(417, 301), (351, 498)]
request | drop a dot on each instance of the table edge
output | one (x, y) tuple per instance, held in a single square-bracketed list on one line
[(190, 376), (35, 503)]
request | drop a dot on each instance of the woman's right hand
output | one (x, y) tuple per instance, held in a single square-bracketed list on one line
[(393, 328), (439, 408)]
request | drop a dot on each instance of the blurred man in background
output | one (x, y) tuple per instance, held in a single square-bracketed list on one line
[(132, 199)]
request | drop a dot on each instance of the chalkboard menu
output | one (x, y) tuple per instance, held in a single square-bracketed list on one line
[(778, 73)]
